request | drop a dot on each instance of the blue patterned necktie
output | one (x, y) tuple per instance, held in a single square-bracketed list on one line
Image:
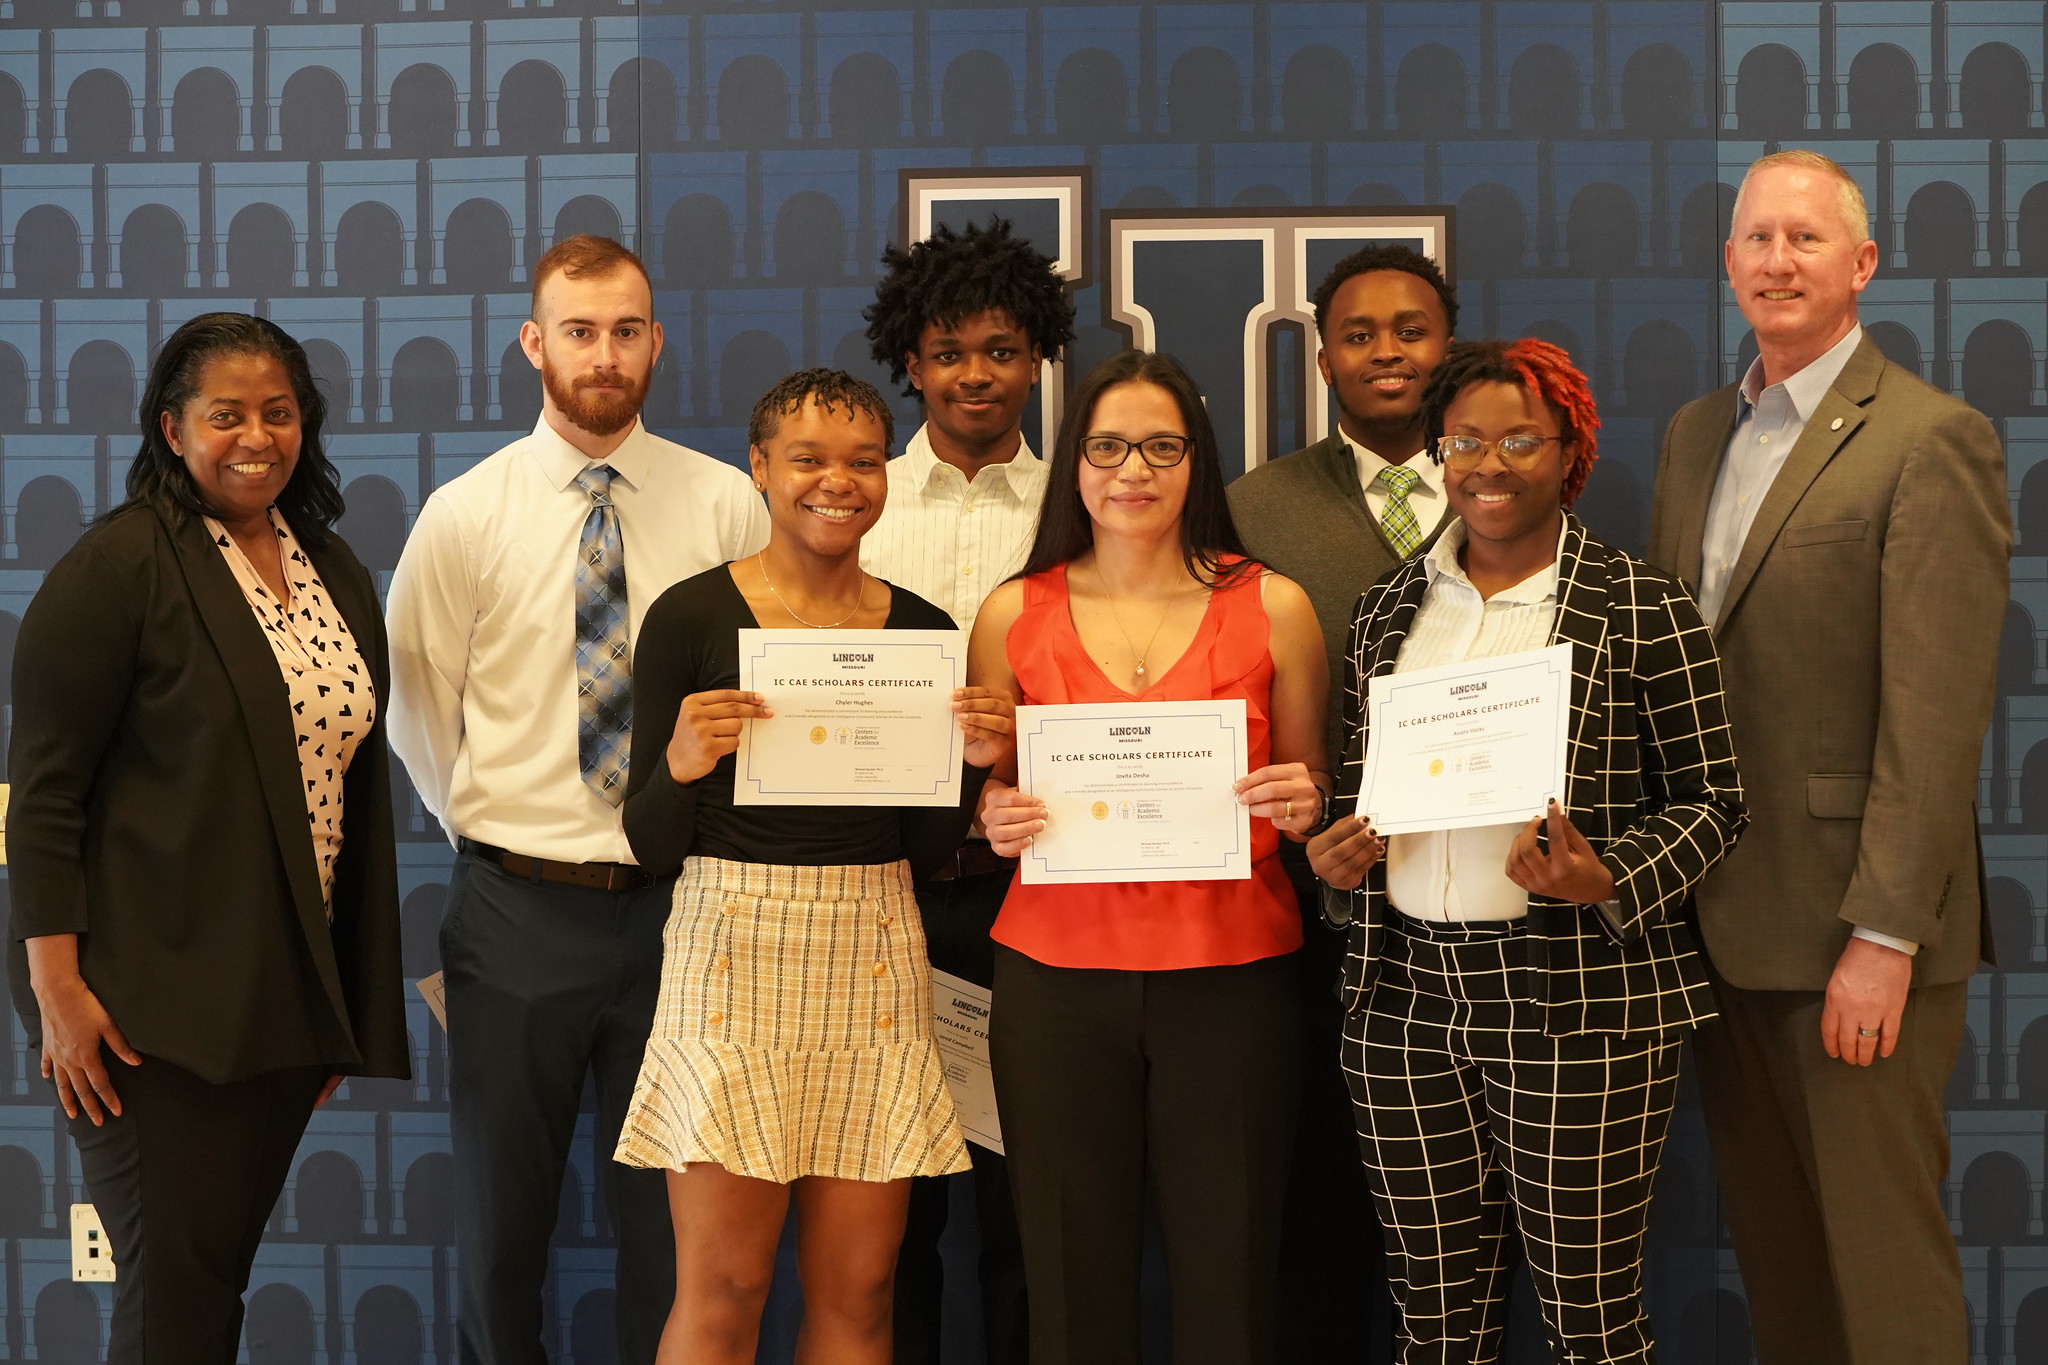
[(1398, 522), (604, 663)]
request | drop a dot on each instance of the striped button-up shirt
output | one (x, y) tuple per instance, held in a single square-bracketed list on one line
[(950, 539)]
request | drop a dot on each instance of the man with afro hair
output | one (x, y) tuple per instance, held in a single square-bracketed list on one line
[(967, 318)]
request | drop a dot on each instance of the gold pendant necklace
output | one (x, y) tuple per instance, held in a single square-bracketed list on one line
[(1139, 655), (761, 562)]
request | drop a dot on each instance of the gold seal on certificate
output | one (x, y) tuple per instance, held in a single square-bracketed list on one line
[(1135, 792), (1467, 744), (862, 718)]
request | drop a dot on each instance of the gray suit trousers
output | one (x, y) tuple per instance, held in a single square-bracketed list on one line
[(1832, 1177)]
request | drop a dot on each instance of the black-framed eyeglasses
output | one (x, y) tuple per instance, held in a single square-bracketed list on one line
[(1110, 452), (1520, 451)]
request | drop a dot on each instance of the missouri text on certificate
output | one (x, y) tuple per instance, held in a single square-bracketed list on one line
[(1135, 793), (862, 718), (1478, 743)]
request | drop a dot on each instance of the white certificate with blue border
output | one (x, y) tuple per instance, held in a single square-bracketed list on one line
[(1136, 792), (862, 718), (1468, 744)]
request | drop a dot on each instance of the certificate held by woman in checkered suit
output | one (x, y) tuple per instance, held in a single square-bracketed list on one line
[(1516, 995)]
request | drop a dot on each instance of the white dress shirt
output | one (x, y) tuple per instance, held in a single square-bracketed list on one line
[(483, 633), (1767, 426), (950, 539), (1426, 499), (1460, 875), (1768, 423)]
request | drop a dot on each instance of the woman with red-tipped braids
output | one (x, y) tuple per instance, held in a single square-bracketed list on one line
[(1517, 994)]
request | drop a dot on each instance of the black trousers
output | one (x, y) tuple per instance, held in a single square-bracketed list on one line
[(958, 915), (1334, 1302), (547, 985), (1473, 1122), (1833, 1178), (1186, 1080), (184, 1181)]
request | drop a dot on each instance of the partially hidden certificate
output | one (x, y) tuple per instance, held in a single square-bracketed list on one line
[(1136, 793), (1467, 744), (862, 718), (961, 1011)]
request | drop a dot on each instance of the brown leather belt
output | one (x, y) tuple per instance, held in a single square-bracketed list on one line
[(595, 876), (972, 859)]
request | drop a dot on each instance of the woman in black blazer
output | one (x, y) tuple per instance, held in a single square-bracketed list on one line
[(204, 885), (1517, 995)]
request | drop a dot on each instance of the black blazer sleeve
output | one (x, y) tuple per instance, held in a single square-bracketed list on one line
[(74, 666)]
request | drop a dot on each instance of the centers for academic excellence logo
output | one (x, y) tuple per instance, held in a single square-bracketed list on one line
[(817, 734)]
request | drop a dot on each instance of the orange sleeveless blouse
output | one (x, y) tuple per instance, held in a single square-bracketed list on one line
[(1154, 926)]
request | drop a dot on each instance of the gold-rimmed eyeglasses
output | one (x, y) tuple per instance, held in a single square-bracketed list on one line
[(1520, 451)]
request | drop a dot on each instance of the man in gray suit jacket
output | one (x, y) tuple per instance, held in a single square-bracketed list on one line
[(1846, 527), (1334, 517)]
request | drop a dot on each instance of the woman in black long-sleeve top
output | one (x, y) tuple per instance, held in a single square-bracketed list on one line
[(792, 1050), (204, 886)]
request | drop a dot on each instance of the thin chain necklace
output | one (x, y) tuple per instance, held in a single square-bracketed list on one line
[(1109, 600), (761, 562)]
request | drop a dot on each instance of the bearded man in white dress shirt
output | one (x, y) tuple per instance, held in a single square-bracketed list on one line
[(512, 616)]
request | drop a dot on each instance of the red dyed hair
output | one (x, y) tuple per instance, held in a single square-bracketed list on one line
[(1537, 367)]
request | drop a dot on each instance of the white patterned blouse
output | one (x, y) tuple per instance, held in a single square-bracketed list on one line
[(333, 700)]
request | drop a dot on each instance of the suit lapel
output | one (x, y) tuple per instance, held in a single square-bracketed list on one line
[(1397, 613), (1582, 601), (1834, 421), (1693, 474), (266, 714)]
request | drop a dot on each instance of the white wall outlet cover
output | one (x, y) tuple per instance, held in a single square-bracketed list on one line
[(92, 1257)]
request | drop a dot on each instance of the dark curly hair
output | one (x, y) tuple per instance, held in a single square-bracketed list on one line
[(829, 389), (311, 500), (949, 276), (1207, 533), (1387, 257), (1536, 366)]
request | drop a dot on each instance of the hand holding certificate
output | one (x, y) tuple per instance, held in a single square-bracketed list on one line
[(854, 718), (1135, 792), (1466, 744)]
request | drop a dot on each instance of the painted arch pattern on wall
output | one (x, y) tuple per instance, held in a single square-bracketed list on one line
[(380, 176)]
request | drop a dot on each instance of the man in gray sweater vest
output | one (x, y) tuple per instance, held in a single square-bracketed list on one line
[(1335, 517), (1339, 514)]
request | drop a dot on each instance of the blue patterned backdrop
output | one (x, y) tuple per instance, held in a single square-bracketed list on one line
[(380, 175)]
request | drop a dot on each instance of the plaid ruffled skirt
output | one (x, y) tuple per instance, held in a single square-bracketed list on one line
[(794, 1032)]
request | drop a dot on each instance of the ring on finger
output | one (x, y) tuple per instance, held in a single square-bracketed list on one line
[(1867, 1033), (1289, 815)]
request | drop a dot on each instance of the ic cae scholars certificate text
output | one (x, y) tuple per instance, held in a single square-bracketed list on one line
[(862, 718), (1135, 793), (1467, 744)]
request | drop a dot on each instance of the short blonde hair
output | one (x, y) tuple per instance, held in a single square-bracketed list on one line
[(1855, 214)]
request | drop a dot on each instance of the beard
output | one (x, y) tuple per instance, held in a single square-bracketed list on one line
[(600, 414)]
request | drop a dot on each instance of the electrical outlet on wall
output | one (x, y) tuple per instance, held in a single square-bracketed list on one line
[(91, 1256)]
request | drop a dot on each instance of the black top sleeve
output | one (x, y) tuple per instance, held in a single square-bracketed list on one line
[(689, 643)]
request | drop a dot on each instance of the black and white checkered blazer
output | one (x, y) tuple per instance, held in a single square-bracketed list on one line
[(1650, 782)]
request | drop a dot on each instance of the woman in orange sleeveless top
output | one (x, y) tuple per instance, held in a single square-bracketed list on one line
[(1144, 1033)]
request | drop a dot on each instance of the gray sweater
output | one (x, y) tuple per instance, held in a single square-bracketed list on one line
[(1304, 516)]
